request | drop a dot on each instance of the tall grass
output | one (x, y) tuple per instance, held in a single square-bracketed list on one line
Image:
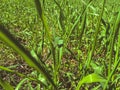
[(74, 45)]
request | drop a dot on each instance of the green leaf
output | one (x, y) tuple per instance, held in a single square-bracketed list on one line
[(97, 68), (90, 79), (11, 71), (20, 84), (22, 75), (6, 85), (12, 42)]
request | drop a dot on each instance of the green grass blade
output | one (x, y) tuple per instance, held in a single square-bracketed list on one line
[(82, 30), (21, 75), (61, 17), (20, 84), (11, 71), (43, 18), (77, 21), (90, 79), (117, 59), (6, 85), (115, 32), (7, 37), (96, 36)]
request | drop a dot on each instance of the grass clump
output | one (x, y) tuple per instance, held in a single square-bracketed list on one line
[(60, 44)]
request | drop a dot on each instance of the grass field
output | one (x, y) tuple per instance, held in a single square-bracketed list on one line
[(59, 45)]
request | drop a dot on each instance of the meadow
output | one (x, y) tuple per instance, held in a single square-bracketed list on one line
[(59, 45)]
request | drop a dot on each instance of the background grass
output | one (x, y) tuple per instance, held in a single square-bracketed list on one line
[(76, 41)]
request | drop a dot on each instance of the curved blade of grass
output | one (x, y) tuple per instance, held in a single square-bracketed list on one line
[(8, 38), (115, 32), (61, 17), (82, 28), (96, 36), (43, 18), (20, 84), (6, 85), (77, 21), (11, 71), (22, 75), (117, 59), (90, 79)]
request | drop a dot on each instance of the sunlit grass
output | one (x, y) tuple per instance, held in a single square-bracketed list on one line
[(70, 44)]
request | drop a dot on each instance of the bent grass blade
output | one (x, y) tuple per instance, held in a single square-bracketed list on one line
[(22, 75), (8, 38), (90, 79), (117, 59), (6, 85)]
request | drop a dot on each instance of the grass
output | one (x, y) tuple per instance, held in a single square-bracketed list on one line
[(60, 44)]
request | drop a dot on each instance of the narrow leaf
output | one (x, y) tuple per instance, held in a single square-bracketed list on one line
[(90, 79), (12, 42), (6, 85)]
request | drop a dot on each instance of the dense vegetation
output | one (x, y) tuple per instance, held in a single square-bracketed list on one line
[(60, 44)]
